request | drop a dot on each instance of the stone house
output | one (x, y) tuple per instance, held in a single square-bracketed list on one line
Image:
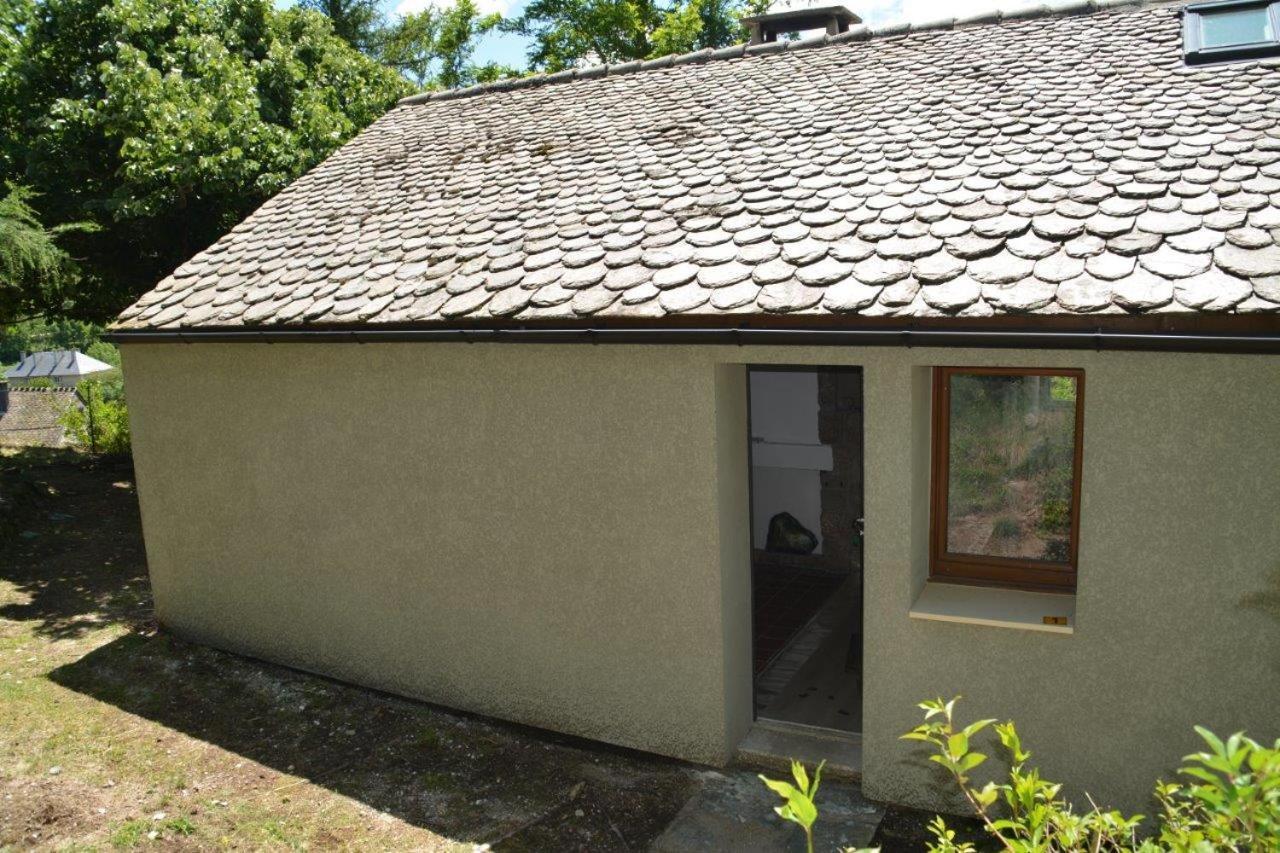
[(32, 417), (990, 308)]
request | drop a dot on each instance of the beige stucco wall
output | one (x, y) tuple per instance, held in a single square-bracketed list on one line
[(507, 531), (558, 535)]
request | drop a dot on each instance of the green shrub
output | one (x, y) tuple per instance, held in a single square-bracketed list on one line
[(1232, 802), (105, 352), (102, 426), (1055, 516), (1007, 527), (41, 383)]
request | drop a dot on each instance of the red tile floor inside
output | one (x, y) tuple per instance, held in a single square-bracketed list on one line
[(785, 599)]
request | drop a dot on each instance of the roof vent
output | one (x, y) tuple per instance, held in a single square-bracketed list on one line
[(789, 16)]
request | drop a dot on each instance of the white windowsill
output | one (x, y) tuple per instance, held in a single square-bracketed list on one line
[(994, 607)]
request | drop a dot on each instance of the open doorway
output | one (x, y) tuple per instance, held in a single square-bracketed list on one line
[(806, 527)]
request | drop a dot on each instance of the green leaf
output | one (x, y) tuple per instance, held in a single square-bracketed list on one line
[(805, 813), (798, 773), (975, 727), (782, 789), (1210, 738)]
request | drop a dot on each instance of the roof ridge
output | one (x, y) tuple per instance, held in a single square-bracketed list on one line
[(1060, 9)]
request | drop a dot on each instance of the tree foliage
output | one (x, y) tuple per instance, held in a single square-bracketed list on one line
[(164, 122), (567, 33), (359, 23), (434, 47), (34, 269), (41, 333)]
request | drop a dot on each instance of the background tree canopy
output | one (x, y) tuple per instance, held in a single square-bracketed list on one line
[(358, 22), (567, 33), (164, 122), (34, 269), (134, 133), (434, 47)]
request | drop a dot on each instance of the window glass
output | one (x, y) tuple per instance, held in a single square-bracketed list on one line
[(1236, 27), (1010, 480)]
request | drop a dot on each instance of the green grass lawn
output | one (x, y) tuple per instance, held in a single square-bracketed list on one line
[(116, 735)]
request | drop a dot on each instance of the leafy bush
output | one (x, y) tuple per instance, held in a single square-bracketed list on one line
[(105, 352), (799, 807), (1232, 804), (102, 426), (41, 383)]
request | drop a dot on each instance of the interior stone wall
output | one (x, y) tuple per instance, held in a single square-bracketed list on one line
[(840, 427)]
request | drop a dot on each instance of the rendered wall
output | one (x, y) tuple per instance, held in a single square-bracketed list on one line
[(558, 535), (504, 530)]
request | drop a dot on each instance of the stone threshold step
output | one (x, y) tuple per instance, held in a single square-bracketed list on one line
[(773, 743)]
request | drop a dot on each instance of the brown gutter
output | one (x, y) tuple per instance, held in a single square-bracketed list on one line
[(1260, 341)]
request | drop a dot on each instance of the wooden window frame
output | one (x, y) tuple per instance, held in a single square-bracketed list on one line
[(981, 569)]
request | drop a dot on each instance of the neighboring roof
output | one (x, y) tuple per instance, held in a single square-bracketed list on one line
[(56, 364), (1066, 164), (32, 417)]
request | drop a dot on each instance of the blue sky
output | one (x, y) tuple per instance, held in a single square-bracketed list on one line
[(511, 50)]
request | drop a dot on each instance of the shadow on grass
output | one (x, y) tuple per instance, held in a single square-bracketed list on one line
[(458, 776), (71, 547), (70, 541)]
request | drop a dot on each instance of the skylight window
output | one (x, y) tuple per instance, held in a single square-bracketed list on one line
[(1231, 29)]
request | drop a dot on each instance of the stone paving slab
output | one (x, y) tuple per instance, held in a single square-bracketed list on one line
[(733, 810)]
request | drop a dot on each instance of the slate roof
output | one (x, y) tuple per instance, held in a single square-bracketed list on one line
[(1061, 162), (56, 364), (31, 418)]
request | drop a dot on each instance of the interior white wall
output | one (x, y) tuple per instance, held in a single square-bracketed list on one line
[(784, 412), (784, 406)]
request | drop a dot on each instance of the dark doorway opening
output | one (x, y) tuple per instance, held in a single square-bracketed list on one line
[(806, 558)]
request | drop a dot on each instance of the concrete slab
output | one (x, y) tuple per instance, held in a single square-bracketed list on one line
[(733, 810)]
